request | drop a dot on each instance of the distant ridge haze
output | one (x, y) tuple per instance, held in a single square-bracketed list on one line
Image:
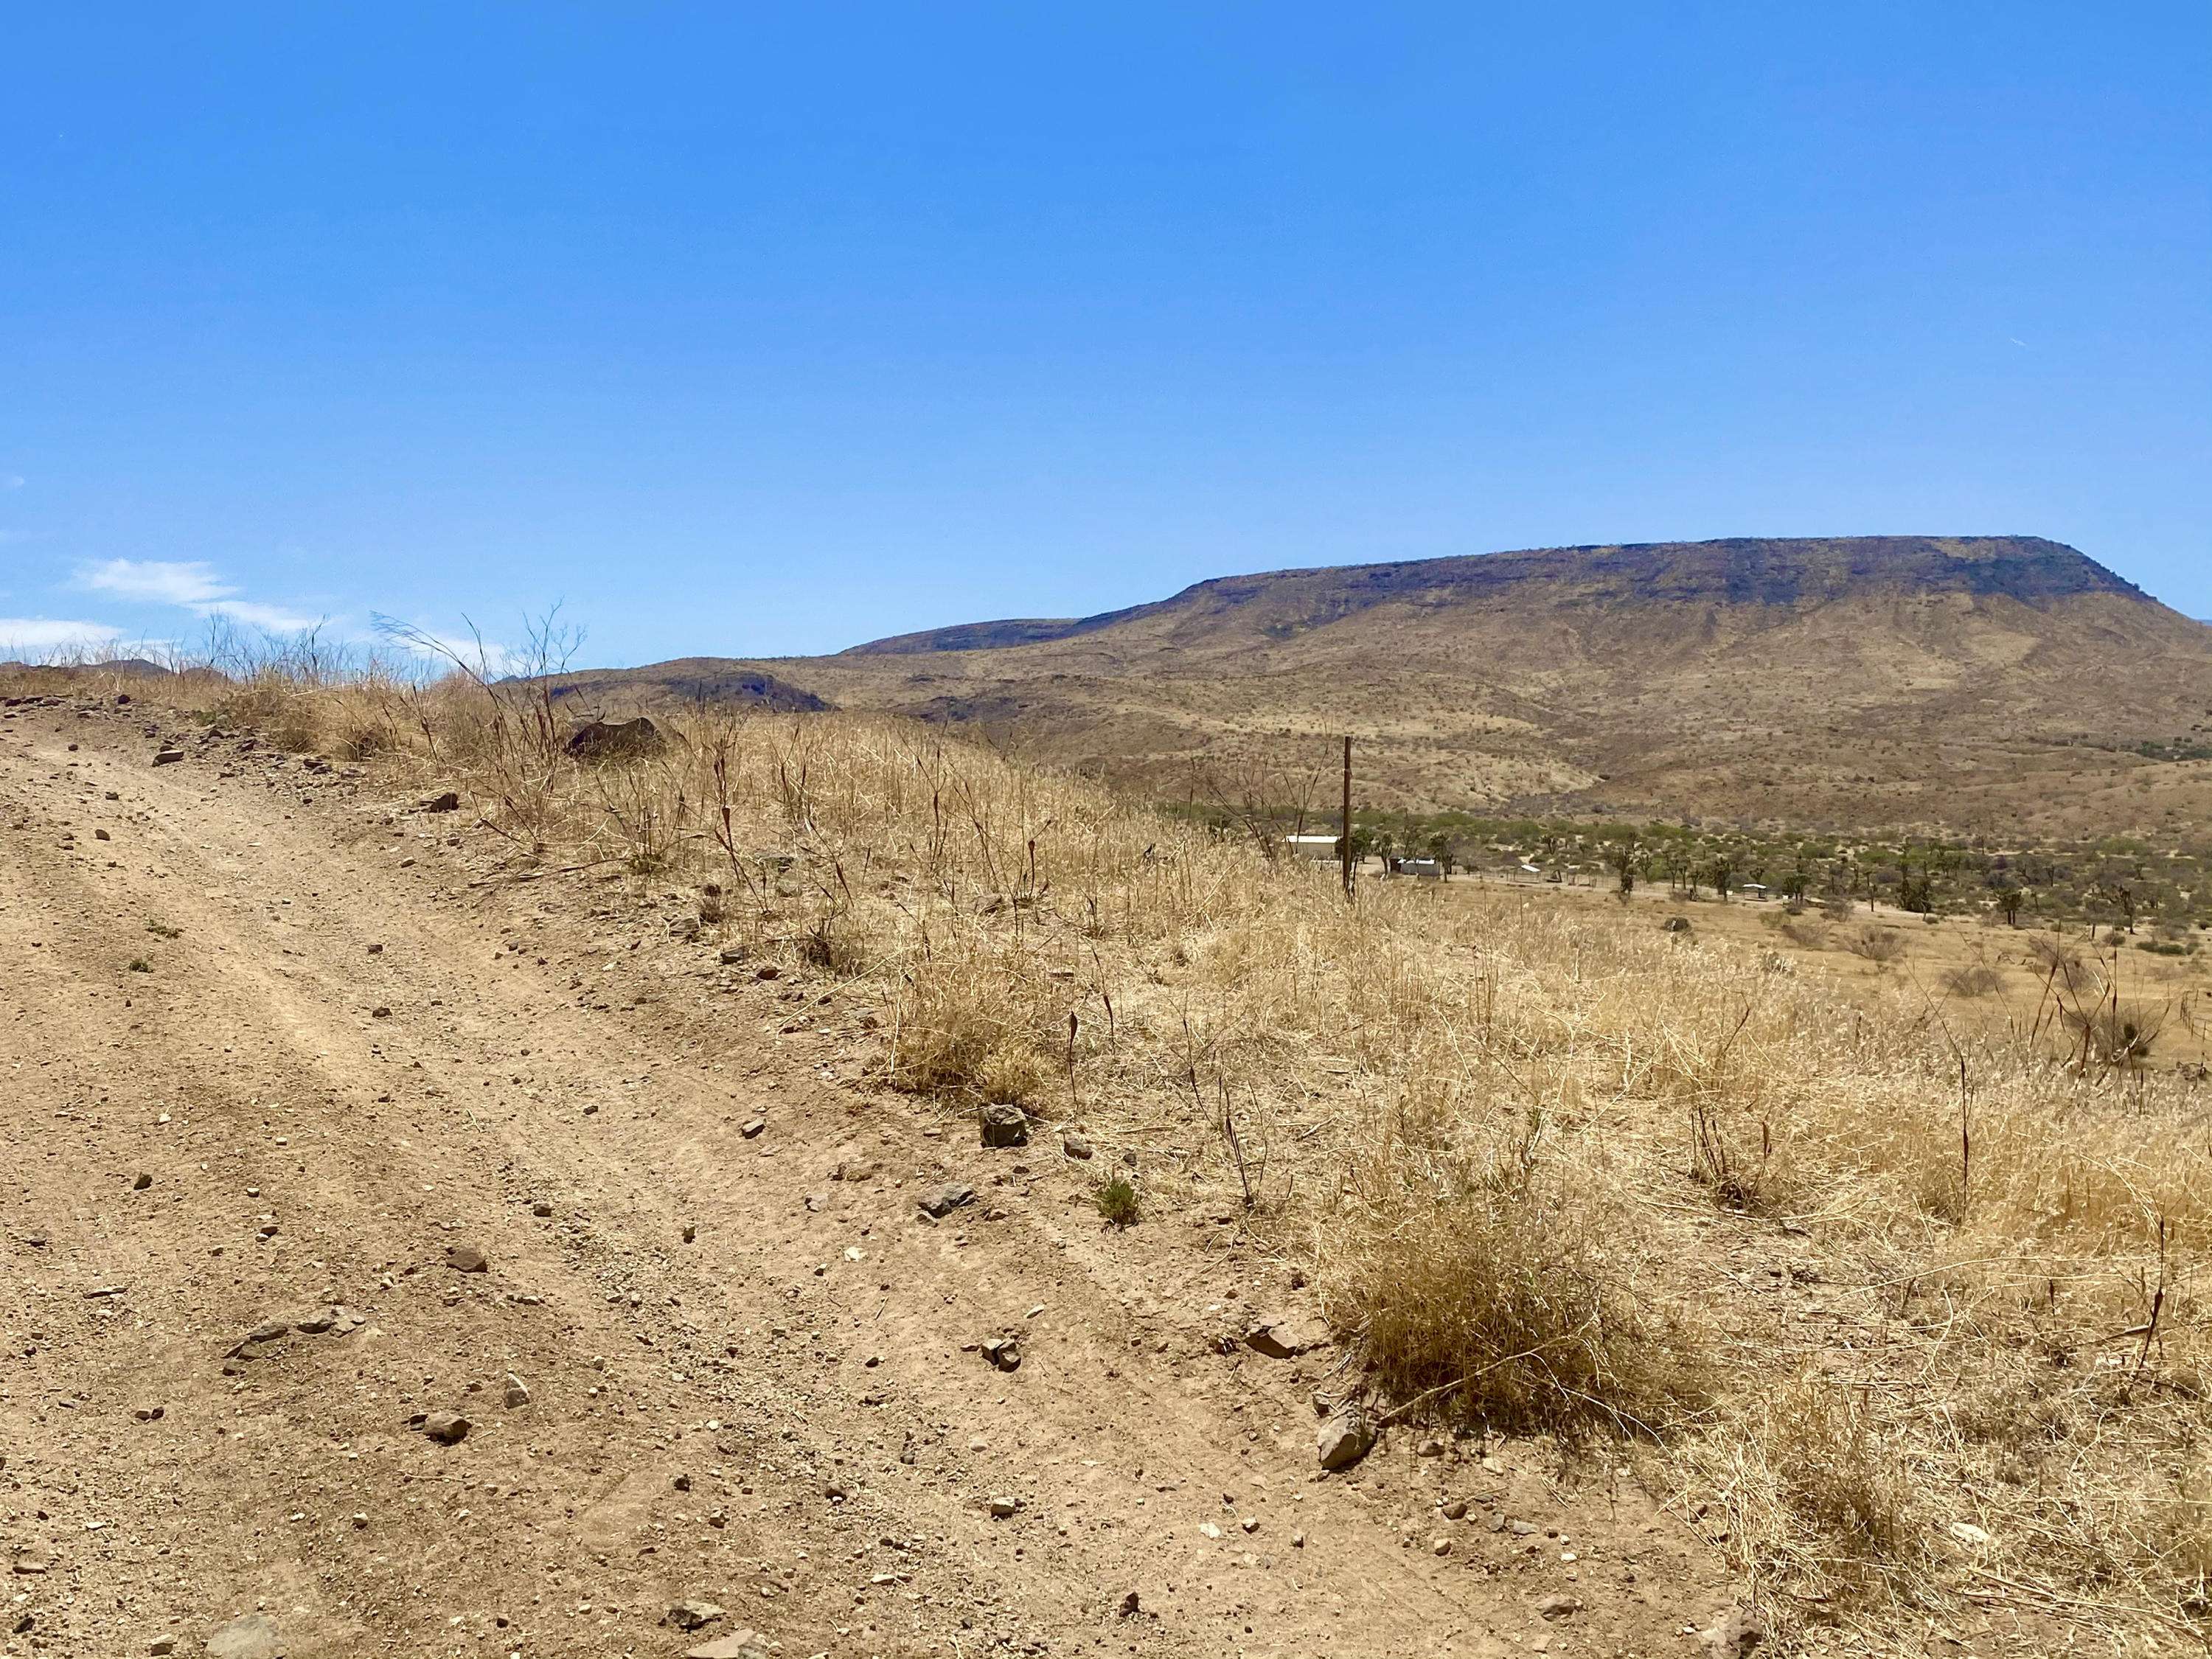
[(1880, 679)]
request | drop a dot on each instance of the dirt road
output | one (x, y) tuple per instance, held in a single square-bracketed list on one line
[(266, 1054)]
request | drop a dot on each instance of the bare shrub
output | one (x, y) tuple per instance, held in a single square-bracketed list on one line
[(1806, 935), (2115, 1032), (1877, 944), (2052, 958), (1975, 979)]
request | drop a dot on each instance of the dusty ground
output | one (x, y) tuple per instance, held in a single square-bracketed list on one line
[(351, 1058)]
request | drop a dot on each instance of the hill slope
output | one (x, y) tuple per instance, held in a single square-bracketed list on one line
[(1985, 680)]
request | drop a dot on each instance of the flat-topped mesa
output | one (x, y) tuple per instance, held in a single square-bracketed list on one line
[(1788, 571)]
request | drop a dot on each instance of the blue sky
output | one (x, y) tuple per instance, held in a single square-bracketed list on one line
[(756, 330)]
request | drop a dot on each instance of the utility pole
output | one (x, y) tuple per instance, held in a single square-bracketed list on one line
[(1344, 842)]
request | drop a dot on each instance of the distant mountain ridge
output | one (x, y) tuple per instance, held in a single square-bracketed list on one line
[(1735, 571), (1838, 680)]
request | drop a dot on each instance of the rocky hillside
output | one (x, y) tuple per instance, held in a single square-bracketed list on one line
[(1981, 681)]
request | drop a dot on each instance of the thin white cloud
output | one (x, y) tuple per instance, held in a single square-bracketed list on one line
[(11, 480), (44, 635), (157, 581), (486, 657), (273, 619), (192, 584)]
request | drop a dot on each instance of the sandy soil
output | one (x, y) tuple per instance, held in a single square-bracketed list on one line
[(751, 1366)]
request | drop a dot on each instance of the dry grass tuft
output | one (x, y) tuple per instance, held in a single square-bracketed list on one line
[(1507, 1299)]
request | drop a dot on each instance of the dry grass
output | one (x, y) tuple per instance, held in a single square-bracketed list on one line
[(1859, 1277)]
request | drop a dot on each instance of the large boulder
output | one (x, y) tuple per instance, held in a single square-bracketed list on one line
[(601, 740)]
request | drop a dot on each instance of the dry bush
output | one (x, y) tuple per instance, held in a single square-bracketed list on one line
[(967, 1024), (1827, 1492), (1875, 944), (1508, 1300), (1806, 935), (1974, 979), (1843, 1478), (2052, 959)]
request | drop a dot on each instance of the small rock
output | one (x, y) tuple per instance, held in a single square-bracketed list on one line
[(767, 970), (1733, 1634), (169, 758), (1250, 1523), (691, 1615), (446, 1428), (1431, 1448), (1006, 1126), (1456, 1509), (465, 1258), (1676, 924), (1077, 1147), (690, 1233), (162, 1644), (1558, 1607), (943, 1200), (1001, 1508), (249, 1636), (141, 1182), (150, 1414), (1345, 1439), (730, 955), (745, 1644), (1129, 1606), (541, 1208), (1004, 1352), (257, 1337), (1284, 1338), (1440, 1546), (518, 1392), (752, 1128), (450, 801)]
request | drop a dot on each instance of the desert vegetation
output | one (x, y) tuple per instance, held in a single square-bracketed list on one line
[(2131, 883), (1900, 1314)]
